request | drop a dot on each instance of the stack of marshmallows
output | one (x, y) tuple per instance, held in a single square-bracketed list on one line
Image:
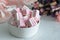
[(25, 18)]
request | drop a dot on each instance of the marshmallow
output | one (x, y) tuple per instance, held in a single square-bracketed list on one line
[(27, 12), (37, 17), (33, 21), (20, 17), (15, 14), (3, 14), (34, 13), (26, 9), (19, 14), (30, 14), (26, 18), (24, 12), (22, 23)]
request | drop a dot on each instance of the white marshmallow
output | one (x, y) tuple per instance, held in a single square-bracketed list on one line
[(17, 16), (37, 15), (3, 14)]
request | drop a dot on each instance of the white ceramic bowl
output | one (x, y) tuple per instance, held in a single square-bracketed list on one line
[(23, 32)]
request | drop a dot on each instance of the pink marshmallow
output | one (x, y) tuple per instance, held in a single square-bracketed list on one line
[(20, 16), (24, 12), (27, 15), (32, 21), (22, 23), (19, 13), (28, 12), (26, 18)]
